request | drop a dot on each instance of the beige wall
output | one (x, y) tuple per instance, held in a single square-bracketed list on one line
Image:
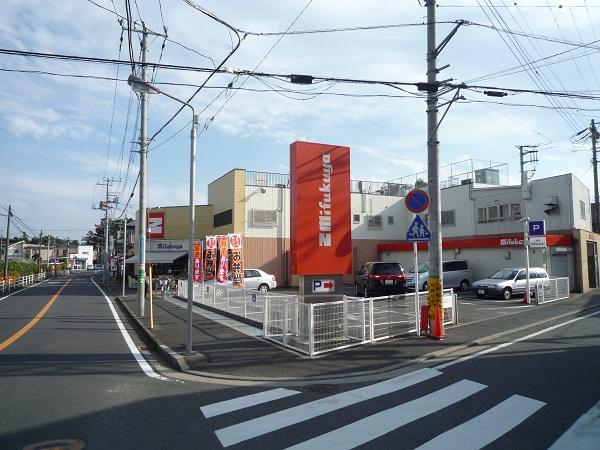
[(227, 192), (581, 271)]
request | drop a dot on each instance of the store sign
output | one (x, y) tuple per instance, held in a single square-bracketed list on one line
[(197, 261), (323, 286), (222, 270), (320, 209), (156, 225), (168, 246), (237, 260)]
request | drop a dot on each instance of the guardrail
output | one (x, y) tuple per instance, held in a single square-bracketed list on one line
[(26, 280), (551, 290)]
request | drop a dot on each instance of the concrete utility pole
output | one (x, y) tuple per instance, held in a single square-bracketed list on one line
[(106, 206), (596, 216), (434, 282), (40, 253), (525, 150), (48, 253), (6, 243), (124, 274), (142, 222)]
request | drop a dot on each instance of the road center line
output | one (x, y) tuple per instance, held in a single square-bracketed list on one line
[(33, 321)]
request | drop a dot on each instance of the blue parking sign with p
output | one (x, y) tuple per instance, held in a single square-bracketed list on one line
[(537, 227)]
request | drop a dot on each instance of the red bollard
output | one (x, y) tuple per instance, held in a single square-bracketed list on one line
[(424, 325)]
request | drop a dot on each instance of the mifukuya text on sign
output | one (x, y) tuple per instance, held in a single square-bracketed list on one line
[(320, 209)]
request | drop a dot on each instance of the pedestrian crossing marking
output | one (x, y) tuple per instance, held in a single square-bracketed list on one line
[(488, 426), (227, 406), (291, 416), (583, 434), (376, 425)]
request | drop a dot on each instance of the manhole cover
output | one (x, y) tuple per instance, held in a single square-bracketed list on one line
[(57, 444), (321, 388)]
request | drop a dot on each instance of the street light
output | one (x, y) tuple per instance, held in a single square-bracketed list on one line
[(142, 86)]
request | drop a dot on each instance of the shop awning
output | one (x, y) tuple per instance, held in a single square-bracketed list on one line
[(156, 257)]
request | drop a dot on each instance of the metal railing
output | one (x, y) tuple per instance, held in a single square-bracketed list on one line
[(315, 328), (26, 280), (551, 290)]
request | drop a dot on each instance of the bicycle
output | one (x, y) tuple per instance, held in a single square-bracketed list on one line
[(165, 286)]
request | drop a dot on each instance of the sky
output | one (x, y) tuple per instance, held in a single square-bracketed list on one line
[(63, 134)]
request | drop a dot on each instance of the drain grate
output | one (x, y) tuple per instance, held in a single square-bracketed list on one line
[(321, 388)]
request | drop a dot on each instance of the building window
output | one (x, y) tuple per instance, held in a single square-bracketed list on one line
[(223, 218), (493, 213), (582, 209), (481, 215), (390, 220), (448, 218), (355, 218), (515, 211), (374, 222)]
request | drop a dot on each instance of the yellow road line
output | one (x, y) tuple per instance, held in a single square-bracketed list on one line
[(33, 321)]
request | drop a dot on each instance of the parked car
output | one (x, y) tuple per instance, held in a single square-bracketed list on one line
[(456, 273), (257, 279), (507, 282), (380, 278)]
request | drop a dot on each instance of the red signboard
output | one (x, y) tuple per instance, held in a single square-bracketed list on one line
[(156, 225), (197, 261), (222, 270), (321, 241)]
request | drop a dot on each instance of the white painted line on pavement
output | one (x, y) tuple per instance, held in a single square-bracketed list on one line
[(284, 418), (372, 427), (583, 434), (243, 328), (487, 427), (216, 409), (507, 344), (146, 368), (21, 290)]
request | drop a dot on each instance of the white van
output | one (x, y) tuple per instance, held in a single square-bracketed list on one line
[(457, 275)]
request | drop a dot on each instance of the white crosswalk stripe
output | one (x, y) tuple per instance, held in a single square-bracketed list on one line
[(474, 433), (377, 425), (271, 422), (486, 427), (216, 409)]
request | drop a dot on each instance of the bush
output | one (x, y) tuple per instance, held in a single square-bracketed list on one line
[(18, 269)]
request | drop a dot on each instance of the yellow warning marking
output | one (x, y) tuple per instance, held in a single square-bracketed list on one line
[(33, 321), (434, 298)]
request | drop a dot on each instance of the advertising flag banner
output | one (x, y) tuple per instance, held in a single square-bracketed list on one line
[(210, 259), (321, 241), (197, 261), (222, 270), (237, 260)]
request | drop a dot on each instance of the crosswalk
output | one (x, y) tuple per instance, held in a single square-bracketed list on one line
[(474, 433)]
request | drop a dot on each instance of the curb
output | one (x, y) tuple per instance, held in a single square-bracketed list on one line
[(172, 358)]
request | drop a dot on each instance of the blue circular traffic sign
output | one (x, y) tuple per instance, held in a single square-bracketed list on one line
[(416, 200)]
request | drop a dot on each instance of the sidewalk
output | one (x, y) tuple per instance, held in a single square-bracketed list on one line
[(223, 352)]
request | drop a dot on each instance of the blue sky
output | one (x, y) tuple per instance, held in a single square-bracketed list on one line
[(58, 143)]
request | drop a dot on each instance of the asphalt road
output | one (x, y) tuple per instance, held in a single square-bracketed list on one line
[(68, 372)]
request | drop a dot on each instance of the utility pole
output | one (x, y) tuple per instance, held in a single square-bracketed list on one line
[(434, 282), (54, 255), (106, 206), (124, 252), (525, 150), (596, 209), (142, 224), (40, 253), (48, 253), (6, 244)]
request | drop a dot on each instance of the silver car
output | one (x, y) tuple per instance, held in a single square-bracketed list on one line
[(507, 282), (456, 273), (257, 279)]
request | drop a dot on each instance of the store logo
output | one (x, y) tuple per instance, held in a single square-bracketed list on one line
[(325, 203)]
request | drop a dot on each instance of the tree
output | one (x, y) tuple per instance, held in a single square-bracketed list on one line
[(420, 183)]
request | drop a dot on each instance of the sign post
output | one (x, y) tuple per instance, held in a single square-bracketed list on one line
[(417, 201)]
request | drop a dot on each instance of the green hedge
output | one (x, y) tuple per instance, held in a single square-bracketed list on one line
[(18, 269)]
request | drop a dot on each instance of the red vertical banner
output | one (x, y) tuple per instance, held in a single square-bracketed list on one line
[(236, 266), (198, 261), (321, 239), (222, 269), (210, 258)]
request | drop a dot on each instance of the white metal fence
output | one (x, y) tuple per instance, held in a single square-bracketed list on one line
[(23, 281), (552, 290), (321, 327)]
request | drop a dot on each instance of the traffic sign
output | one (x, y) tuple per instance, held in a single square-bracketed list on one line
[(416, 200), (418, 231), (537, 241), (537, 227), (327, 285)]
